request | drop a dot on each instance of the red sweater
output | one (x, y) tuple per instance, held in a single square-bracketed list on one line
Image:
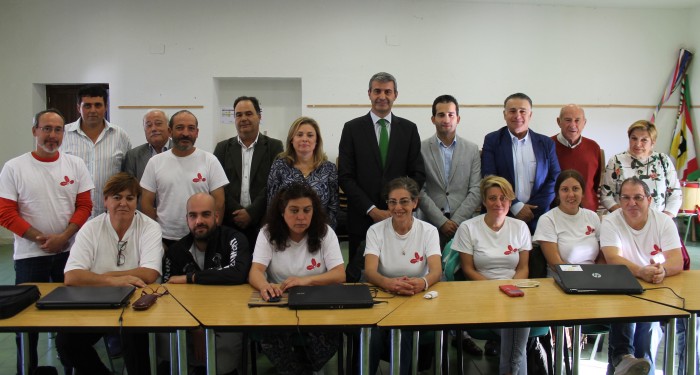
[(585, 158)]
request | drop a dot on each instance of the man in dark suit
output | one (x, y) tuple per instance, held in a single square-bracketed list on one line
[(526, 159), (365, 167), (155, 127), (246, 159)]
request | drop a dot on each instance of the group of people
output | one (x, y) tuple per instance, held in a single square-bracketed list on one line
[(261, 212)]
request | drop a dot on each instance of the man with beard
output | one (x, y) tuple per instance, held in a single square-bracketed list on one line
[(175, 175), (210, 254), (155, 127), (44, 200)]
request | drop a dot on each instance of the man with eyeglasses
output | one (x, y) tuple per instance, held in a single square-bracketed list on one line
[(155, 127), (44, 200), (210, 255), (175, 175), (121, 247), (99, 143), (647, 242)]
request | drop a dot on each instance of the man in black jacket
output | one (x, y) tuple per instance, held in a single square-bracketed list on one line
[(210, 254)]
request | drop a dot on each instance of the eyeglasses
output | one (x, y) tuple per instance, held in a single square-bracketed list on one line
[(637, 198), (403, 201), (49, 129), (160, 291), (121, 246)]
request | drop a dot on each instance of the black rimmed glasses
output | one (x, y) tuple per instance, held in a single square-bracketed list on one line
[(160, 291), (121, 247)]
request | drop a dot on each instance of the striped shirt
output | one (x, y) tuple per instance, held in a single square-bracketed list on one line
[(103, 158)]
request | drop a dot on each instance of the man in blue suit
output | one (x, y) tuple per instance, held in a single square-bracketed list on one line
[(526, 159)]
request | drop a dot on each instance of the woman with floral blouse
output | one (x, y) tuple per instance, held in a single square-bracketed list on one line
[(640, 160)]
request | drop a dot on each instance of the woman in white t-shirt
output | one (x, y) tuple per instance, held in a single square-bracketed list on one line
[(568, 233), (296, 247), (496, 247), (402, 256)]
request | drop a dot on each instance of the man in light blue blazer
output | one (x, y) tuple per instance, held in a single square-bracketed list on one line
[(526, 159), (452, 172)]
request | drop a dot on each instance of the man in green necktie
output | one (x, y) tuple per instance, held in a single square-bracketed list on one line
[(374, 149)]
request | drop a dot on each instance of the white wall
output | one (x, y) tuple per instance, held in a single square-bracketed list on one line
[(478, 52)]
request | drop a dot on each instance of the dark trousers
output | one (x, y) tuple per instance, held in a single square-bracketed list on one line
[(76, 350), (43, 269)]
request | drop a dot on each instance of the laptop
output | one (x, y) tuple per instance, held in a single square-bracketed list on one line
[(596, 279), (330, 297), (86, 297)]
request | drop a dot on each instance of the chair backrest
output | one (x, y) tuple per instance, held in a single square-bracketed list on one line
[(451, 263)]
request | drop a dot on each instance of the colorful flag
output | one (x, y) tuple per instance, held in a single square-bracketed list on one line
[(684, 58), (683, 145)]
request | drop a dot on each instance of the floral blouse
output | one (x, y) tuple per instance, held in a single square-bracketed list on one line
[(324, 181), (657, 171)]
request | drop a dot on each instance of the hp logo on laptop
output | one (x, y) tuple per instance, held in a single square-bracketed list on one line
[(596, 275)]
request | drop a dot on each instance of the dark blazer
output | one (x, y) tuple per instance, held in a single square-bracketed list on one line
[(135, 160), (360, 171), (497, 159), (229, 154)]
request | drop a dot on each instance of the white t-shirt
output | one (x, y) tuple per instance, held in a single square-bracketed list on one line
[(96, 246), (45, 193), (402, 255), (495, 253), (639, 246), (296, 260), (577, 236), (174, 179)]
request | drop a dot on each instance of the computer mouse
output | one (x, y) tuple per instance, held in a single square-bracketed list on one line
[(274, 299)]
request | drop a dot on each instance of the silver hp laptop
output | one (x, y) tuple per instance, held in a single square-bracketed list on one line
[(330, 297), (596, 279), (86, 297)]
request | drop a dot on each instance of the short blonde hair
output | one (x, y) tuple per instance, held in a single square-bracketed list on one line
[(499, 182), (645, 126)]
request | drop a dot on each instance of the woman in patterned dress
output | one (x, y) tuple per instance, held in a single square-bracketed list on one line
[(640, 160), (304, 161)]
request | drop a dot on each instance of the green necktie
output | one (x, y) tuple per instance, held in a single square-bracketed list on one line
[(383, 141)]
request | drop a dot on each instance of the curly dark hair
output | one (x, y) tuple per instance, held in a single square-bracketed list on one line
[(277, 227)]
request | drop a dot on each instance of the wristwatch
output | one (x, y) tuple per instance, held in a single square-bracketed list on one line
[(190, 277)]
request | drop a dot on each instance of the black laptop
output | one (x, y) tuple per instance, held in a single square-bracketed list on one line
[(86, 297), (330, 297), (596, 279)]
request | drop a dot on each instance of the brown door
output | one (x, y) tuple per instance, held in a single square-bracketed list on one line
[(64, 98)]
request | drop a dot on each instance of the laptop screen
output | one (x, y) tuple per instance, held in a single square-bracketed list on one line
[(330, 297), (596, 278), (86, 297)]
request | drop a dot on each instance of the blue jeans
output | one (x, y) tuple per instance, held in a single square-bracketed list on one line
[(380, 348), (43, 269), (513, 358), (641, 340), (681, 325)]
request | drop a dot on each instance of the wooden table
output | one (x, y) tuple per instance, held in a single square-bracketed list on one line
[(221, 307), (165, 316), (685, 285), (480, 304)]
